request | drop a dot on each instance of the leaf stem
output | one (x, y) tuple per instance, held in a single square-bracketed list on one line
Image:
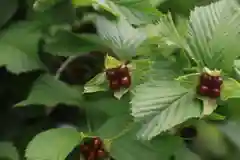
[(64, 66)]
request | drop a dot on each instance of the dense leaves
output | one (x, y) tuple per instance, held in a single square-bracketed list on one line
[(146, 87)]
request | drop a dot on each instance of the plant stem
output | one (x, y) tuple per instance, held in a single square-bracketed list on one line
[(64, 65)]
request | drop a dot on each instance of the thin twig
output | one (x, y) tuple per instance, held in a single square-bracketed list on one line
[(64, 65)]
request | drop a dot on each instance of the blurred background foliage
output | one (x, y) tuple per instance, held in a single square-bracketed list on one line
[(19, 125)]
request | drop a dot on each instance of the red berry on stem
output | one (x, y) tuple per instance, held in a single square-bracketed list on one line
[(123, 70), (203, 90), (126, 81), (215, 93), (84, 148), (111, 73), (218, 81), (101, 153), (114, 84), (91, 156), (97, 143), (206, 79)]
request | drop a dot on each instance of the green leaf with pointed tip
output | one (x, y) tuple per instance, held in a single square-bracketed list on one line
[(8, 151), (20, 55), (120, 36), (54, 144), (120, 93), (65, 43), (163, 105), (49, 91), (209, 105), (96, 84)]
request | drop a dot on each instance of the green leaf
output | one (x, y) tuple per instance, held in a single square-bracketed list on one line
[(111, 62), (163, 105), (96, 84), (49, 91), (9, 151), (186, 154), (157, 2), (7, 9), (209, 138), (20, 55), (208, 33), (105, 102), (231, 89), (120, 36), (136, 12), (127, 147), (82, 2), (232, 131), (54, 144), (65, 43), (115, 126), (165, 145), (170, 33), (140, 71)]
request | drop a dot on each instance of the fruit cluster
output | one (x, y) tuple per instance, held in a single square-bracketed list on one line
[(210, 85), (93, 149), (119, 77)]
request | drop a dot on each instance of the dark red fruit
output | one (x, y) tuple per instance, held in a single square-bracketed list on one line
[(218, 81), (205, 79), (126, 82), (203, 90), (114, 84), (123, 70), (101, 153), (215, 93), (97, 143), (84, 148), (91, 156), (111, 74)]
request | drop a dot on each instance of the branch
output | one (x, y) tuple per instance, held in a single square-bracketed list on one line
[(64, 66)]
